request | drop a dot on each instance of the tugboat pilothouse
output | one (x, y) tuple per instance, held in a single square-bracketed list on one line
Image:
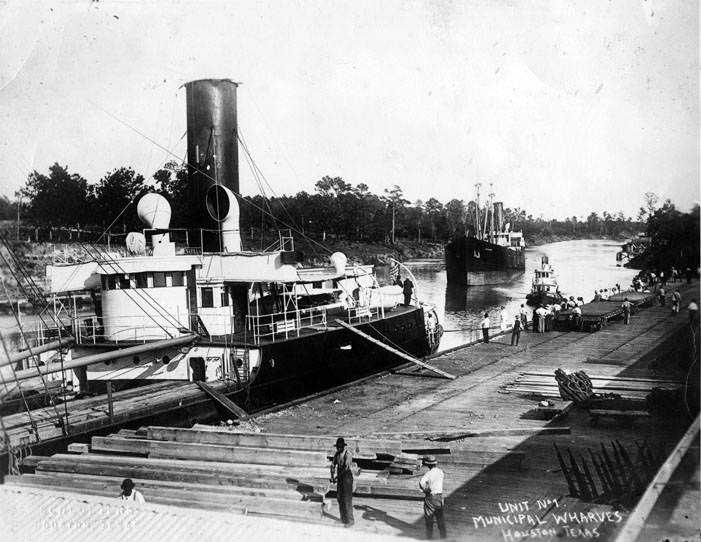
[(205, 310)]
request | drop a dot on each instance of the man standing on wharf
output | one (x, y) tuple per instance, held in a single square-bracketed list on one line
[(516, 331), (485, 327), (342, 474), (626, 306), (431, 484), (408, 290)]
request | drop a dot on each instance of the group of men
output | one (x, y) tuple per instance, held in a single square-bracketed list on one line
[(431, 484)]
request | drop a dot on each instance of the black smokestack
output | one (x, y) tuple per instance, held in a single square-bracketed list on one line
[(499, 215), (212, 144)]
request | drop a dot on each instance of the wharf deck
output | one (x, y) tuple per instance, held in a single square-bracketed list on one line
[(407, 405), (494, 445)]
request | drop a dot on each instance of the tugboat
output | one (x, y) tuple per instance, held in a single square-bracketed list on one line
[(544, 288), (207, 310), (486, 256)]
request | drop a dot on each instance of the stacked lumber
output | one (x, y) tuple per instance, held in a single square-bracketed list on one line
[(545, 385), (270, 474)]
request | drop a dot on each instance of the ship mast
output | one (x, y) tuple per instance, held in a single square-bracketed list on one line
[(478, 227), (491, 212)]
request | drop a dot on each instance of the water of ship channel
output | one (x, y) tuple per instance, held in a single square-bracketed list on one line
[(581, 267)]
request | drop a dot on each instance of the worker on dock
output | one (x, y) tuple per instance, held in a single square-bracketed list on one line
[(542, 313), (431, 484), (627, 307), (693, 312), (577, 318), (129, 493), (504, 318), (516, 331), (676, 301), (662, 296), (524, 318), (408, 290), (342, 476), (485, 327)]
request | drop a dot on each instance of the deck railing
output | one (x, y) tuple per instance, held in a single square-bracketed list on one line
[(283, 325)]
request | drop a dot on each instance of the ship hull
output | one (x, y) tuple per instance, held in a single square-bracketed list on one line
[(307, 365), (300, 366), (472, 262)]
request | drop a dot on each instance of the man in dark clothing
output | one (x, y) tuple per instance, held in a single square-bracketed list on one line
[(627, 307), (516, 331), (408, 290), (485, 327), (342, 475)]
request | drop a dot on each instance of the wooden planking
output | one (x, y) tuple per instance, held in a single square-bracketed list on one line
[(273, 440), (210, 452)]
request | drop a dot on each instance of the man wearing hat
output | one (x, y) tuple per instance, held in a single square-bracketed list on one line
[(129, 493), (431, 484), (342, 475)]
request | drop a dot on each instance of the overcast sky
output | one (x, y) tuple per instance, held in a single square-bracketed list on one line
[(567, 107)]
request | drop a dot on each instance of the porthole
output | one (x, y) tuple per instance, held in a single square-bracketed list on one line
[(166, 360), (136, 360)]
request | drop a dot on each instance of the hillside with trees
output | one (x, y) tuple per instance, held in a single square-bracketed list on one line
[(336, 212)]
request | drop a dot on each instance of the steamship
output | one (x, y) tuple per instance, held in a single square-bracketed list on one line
[(206, 310), (490, 254)]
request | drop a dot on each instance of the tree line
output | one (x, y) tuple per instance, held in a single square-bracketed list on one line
[(335, 210)]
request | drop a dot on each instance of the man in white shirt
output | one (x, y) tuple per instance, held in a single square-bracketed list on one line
[(129, 493), (693, 312), (431, 484), (542, 313), (485, 327), (504, 315)]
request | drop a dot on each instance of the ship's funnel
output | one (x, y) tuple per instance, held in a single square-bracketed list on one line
[(154, 211), (212, 146), (499, 215), (223, 207)]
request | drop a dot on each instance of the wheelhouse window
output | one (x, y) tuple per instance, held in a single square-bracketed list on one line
[(124, 283), (178, 278), (207, 297), (159, 279), (141, 280)]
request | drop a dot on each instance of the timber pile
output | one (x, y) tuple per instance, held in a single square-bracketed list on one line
[(545, 385), (270, 474)]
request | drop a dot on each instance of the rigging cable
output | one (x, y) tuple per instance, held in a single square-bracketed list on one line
[(194, 167), (36, 363)]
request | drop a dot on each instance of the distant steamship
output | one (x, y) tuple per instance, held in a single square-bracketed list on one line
[(491, 253)]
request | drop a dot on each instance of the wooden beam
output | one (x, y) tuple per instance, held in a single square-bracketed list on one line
[(395, 351), (320, 443), (224, 402), (210, 452)]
